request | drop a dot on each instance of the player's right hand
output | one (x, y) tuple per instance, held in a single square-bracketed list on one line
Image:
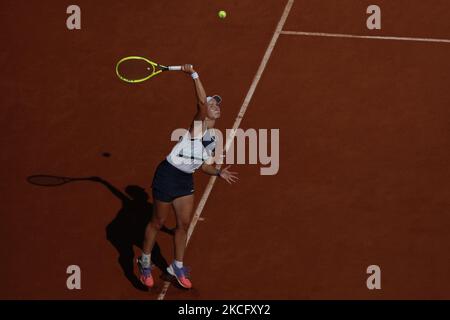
[(188, 68)]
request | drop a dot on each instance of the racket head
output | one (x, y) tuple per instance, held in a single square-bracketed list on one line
[(136, 69), (47, 180)]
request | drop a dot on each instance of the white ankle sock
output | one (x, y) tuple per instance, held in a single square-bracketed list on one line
[(178, 264), (145, 260)]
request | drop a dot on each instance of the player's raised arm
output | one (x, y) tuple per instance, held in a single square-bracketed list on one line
[(200, 92)]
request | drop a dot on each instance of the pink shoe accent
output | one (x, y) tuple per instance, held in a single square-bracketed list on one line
[(145, 274), (147, 280), (180, 275), (184, 282)]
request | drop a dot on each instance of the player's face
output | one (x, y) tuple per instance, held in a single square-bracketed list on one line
[(213, 109)]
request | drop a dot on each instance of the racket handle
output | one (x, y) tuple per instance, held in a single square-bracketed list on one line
[(174, 68)]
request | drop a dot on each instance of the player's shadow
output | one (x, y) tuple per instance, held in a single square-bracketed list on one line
[(127, 229)]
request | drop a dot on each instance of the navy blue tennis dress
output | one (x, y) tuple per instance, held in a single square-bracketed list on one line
[(174, 175)]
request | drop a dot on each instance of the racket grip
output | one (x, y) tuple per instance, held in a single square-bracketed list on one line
[(174, 68)]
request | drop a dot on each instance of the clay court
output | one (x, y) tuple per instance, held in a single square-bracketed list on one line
[(364, 174)]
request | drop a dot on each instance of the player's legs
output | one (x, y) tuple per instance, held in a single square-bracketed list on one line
[(183, 210), (160, 211), (183, 207)]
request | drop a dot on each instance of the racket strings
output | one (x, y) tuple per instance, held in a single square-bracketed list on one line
[(135, 69)]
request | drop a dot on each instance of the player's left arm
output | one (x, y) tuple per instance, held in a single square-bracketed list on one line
[(228, 176)]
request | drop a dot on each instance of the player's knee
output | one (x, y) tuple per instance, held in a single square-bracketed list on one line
[(183, 226), (157, 223)]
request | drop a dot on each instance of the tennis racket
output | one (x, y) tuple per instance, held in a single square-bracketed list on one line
[(135, 69), (52, 181)]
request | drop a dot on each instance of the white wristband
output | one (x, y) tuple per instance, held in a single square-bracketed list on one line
[(194, 75)]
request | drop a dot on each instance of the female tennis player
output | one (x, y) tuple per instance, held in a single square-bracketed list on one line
[(173, 185)]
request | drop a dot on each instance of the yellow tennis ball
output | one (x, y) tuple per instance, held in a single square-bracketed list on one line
[(222, 14)]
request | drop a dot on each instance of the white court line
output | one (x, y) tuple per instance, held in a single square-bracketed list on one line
[(237, 122), (339, 35)]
